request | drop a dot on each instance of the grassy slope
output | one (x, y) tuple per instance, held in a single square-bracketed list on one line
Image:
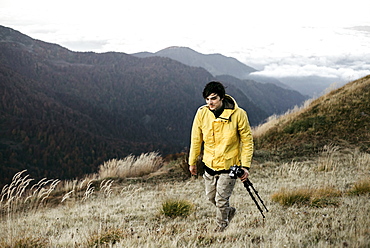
[(128, 213), (340, 117)]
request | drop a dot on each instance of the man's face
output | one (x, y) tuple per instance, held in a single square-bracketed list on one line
[(214, 101)]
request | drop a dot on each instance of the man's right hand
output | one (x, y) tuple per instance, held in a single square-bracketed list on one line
[(193, 169)]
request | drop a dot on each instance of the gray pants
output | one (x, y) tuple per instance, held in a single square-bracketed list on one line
[(218, 190)]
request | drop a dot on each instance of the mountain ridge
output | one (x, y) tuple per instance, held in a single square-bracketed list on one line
[(216, 64)]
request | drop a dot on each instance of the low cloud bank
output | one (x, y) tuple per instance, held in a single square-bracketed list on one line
[(343, 68)]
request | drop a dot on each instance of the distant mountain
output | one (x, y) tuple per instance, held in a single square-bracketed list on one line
[(312, 86), (268, 96), (216, 64), (265, 79), (339, 118)]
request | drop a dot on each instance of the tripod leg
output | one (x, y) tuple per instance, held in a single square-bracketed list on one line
[(246, 185), (256, 192)]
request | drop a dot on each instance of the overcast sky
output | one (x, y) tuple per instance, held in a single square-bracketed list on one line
[(280, 38)]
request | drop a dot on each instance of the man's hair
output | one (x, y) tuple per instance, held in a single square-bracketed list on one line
[(214, 87)]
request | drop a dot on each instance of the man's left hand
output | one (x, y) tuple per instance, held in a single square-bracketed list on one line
[(245, 175)]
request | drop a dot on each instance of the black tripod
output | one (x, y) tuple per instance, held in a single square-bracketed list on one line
[(248, 184)]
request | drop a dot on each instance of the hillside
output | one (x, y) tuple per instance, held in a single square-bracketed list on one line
[(339, 118)]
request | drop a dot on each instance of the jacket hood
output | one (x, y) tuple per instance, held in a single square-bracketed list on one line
[(230, 102), (230, 107)]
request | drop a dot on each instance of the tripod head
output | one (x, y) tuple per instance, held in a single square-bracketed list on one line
[(236, 171)]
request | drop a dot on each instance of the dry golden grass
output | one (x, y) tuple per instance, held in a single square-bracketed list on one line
[(362, 186), (312, 197), (103, 213)]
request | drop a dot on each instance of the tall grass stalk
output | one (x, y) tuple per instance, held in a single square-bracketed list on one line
[(326, 161), (131, 166)]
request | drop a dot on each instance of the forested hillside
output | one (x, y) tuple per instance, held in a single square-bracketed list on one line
[(63, 113)]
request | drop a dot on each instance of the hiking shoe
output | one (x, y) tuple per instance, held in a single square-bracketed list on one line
[(220, 228), (231, 214)]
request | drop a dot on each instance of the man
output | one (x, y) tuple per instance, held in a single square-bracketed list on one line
[(223, 130)]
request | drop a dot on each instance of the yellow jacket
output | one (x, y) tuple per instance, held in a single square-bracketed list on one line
[(227, 140)]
